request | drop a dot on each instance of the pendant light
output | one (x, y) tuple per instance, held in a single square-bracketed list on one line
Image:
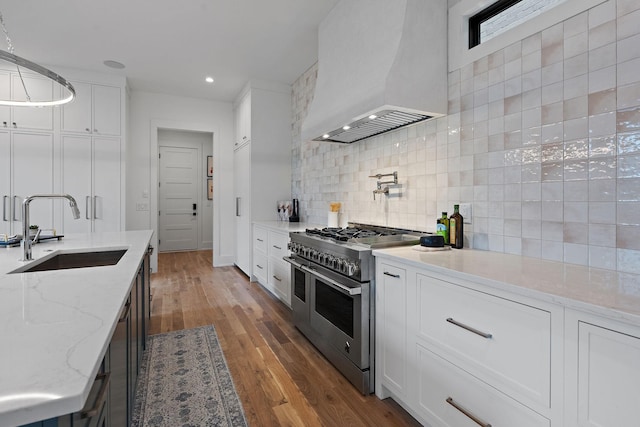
[(68, 91)]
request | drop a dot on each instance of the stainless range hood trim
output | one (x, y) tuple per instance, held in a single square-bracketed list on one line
[(384, 121)]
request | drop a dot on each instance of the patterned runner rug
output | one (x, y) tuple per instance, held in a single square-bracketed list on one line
[(184, 381)]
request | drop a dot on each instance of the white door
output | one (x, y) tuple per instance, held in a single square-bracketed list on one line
[(106, 184), (178, 192), (76, 181), (32, 173), (242, 168), (106, 110)]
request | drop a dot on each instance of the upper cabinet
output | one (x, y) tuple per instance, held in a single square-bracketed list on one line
[(38, 88), (96, 110), (243, 121)]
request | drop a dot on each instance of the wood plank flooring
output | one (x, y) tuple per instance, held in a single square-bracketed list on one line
[(280, 377)]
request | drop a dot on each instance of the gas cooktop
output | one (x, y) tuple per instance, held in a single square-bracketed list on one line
[(371, 236)]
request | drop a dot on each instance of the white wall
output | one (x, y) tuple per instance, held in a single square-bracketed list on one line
[(150, 112)]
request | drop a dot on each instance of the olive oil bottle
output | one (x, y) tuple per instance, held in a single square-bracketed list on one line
[(442, 227), (456, 234)]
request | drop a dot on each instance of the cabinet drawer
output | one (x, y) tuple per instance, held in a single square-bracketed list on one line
[(280, 278), (278, 244), (260, 239), (449, 396), (260, 266), (505, 343)]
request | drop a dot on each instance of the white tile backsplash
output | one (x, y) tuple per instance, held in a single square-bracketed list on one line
[(542, 137)]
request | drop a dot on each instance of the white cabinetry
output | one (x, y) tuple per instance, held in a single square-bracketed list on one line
[(28, 168), (455, 356), (91, 173), (602, 372), (243, 121), (39, 88), (262, 165), (96, 110), (271, 271)]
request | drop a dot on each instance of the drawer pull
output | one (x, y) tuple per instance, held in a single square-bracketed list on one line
[(277, 247), (277, 278), (259, 266), (469, 328), (102, 396), (467, 413), (260, 240), (386, 273)]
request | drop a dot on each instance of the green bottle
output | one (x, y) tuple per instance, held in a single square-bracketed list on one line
[(442, 227)]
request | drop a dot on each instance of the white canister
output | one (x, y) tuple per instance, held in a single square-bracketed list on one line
[(332, 219)]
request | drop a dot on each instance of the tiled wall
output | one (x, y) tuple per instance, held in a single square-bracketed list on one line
[(542, 137)]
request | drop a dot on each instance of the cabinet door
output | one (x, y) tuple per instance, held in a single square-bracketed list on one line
[(40, 89), (242, 167), (391, 328), (280, 279), (118, 408), (76, 115), (5, 93), (76, 181), (32, 173), (5, 182), (106, 110), (106, 187), (608, 377)]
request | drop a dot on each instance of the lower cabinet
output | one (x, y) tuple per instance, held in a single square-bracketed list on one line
[(111, 399), (458, 353), (269, 269)]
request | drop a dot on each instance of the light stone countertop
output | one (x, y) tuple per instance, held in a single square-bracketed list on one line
[(287, 226), (608, 293), (55, 326)]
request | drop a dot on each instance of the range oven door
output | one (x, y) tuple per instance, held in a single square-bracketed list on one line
[(339, 311), (300, 301)]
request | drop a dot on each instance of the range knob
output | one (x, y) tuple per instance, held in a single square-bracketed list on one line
[(329, 261), (352, 268)]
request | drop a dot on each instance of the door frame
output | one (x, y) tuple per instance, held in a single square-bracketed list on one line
[(157, 125)]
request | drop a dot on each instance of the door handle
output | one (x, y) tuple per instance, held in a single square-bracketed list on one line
[(195, 206), (14, 208), (86, 207), (237, 206), (95, 201), (4, 208)]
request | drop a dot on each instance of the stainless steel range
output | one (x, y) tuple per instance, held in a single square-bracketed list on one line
[(333, 292)]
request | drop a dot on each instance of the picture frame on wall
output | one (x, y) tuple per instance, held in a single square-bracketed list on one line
[(210, 166), (209, 189)]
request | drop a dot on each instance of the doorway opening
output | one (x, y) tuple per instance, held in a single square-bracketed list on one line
[(185, 182)]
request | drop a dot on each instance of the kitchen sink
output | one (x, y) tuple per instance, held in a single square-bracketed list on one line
[(70, 260)]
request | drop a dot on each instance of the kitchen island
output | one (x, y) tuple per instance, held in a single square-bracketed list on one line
[(56, 326), (506, 340)]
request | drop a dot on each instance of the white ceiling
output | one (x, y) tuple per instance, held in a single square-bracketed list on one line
[(169, 46)]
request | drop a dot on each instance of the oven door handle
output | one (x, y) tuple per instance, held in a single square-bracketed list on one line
[(335, 285)]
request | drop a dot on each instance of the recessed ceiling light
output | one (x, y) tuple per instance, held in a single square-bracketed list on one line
[(373, 116), (114, 64), (346, 127), (326, 136), (209, 79)]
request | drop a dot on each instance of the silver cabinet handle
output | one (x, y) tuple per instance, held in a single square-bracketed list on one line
[(86, 207), (88, 130), (4, 208), (386, 273), (277, 247), (102, 396), (466, 412), (95, 213), (14, 208), (277, 278), (259, 266), (335, 285), (260, 240), (237, 206), (469, 328)]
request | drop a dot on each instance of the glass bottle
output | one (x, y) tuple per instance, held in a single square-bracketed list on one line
[(456, 234), (442, 227)]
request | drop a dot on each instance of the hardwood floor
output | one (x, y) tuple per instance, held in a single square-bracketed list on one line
[(280, 377)]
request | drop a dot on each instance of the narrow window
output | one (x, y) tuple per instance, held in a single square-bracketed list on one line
[(503, 15)]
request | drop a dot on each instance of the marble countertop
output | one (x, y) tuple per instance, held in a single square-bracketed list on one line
[(607, 293), (287, 226), (55, 326)]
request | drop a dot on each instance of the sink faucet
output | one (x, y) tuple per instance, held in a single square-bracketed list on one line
[(27, 243)]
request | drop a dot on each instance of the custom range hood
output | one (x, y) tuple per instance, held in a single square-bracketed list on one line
[(382, 64)]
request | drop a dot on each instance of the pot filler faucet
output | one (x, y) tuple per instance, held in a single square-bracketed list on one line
[(385, 190), (27, 243)]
